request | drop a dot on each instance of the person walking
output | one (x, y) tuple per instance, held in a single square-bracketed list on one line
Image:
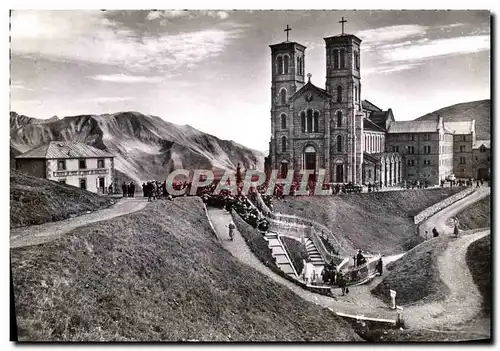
[(342, 281), (435, 233), (232, 227), (124, 189), (455, 229)]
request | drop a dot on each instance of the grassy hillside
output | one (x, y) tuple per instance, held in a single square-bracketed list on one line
[(157, 274), (477, 110), (377, 222), (415, 276), (35, 201), (479, 261), (477, 215)]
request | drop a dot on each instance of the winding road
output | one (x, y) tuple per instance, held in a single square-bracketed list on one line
[(460, 306), (42, 233), (439, 220)]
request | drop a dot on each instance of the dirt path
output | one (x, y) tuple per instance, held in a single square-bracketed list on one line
[(358, 301), (460, 306), (464, 301), (38, 234), (439, 220)]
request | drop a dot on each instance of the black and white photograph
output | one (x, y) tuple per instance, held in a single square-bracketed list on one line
[(216, 175)]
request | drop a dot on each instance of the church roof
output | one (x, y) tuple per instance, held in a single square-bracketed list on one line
[(417, 126), (64, 149), (285, 44), (341, 37), (464, 127), (370, 125), (478, 143), (367, 105), (311, 86)]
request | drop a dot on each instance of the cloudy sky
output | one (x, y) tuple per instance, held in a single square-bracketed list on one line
[(211, 69)]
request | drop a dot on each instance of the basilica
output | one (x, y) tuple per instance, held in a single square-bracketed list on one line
[(328, 128)]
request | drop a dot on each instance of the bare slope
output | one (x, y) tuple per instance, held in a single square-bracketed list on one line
[(36, 201), (477, 215), (377, 222), (479, 261), (146, 147), (415, 276), (156, 275), (477, 110)]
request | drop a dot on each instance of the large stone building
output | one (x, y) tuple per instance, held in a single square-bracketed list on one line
[(315, 128), (72, 163), (352, 139)]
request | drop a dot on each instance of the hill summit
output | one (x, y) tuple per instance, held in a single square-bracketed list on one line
[(480, 111)]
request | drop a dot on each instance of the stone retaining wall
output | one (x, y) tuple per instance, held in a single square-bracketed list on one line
[(429, 211)]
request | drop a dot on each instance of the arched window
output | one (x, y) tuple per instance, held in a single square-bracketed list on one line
[(298, 65), (335, 58), (279, 65), (286, 59), (342, 58), (283, 96), (339, 94), (316, 122), (303, 121), (355, 93), (283, 121), (302, 65), (283, 144), (339, 143), (356, 59), (339, 119), (309, 120)]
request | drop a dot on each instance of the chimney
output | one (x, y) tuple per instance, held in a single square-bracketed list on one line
[(440, 122)]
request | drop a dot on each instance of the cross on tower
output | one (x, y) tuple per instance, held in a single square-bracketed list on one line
[(287, 30), (342, 22)]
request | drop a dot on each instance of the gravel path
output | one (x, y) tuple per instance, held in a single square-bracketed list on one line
[(464, 301), (368, 305), (38, 234), (440, 219), (462, 304)]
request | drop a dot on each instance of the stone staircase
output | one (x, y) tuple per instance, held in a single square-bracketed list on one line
[(314, 255), (280, 255)]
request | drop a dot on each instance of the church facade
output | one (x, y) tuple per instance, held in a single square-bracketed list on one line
[(332, 128)]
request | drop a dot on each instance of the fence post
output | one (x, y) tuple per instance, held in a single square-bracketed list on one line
[(393, 298)]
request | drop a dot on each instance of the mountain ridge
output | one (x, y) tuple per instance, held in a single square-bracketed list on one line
[(146, 147), (479, 110)]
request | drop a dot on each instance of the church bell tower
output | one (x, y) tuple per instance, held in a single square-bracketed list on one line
[(343, 83), (287, 77)]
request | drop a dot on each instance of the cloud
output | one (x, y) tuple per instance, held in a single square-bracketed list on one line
[(18, 86), (123, 78), (171, 14), (88, 36), (390, 68), (390, 34), (438, 47), (104, 99)]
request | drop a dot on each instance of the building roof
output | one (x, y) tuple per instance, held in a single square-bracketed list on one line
[(465, 127), (478, 143), (310, 86), (64, 149), (367, 105), (370, 125), (418, 126)]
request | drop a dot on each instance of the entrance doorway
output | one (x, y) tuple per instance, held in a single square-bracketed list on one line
[(310, 161), (339, 173), (83, 184), (284, 170), (101, 184), (482, 173)]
